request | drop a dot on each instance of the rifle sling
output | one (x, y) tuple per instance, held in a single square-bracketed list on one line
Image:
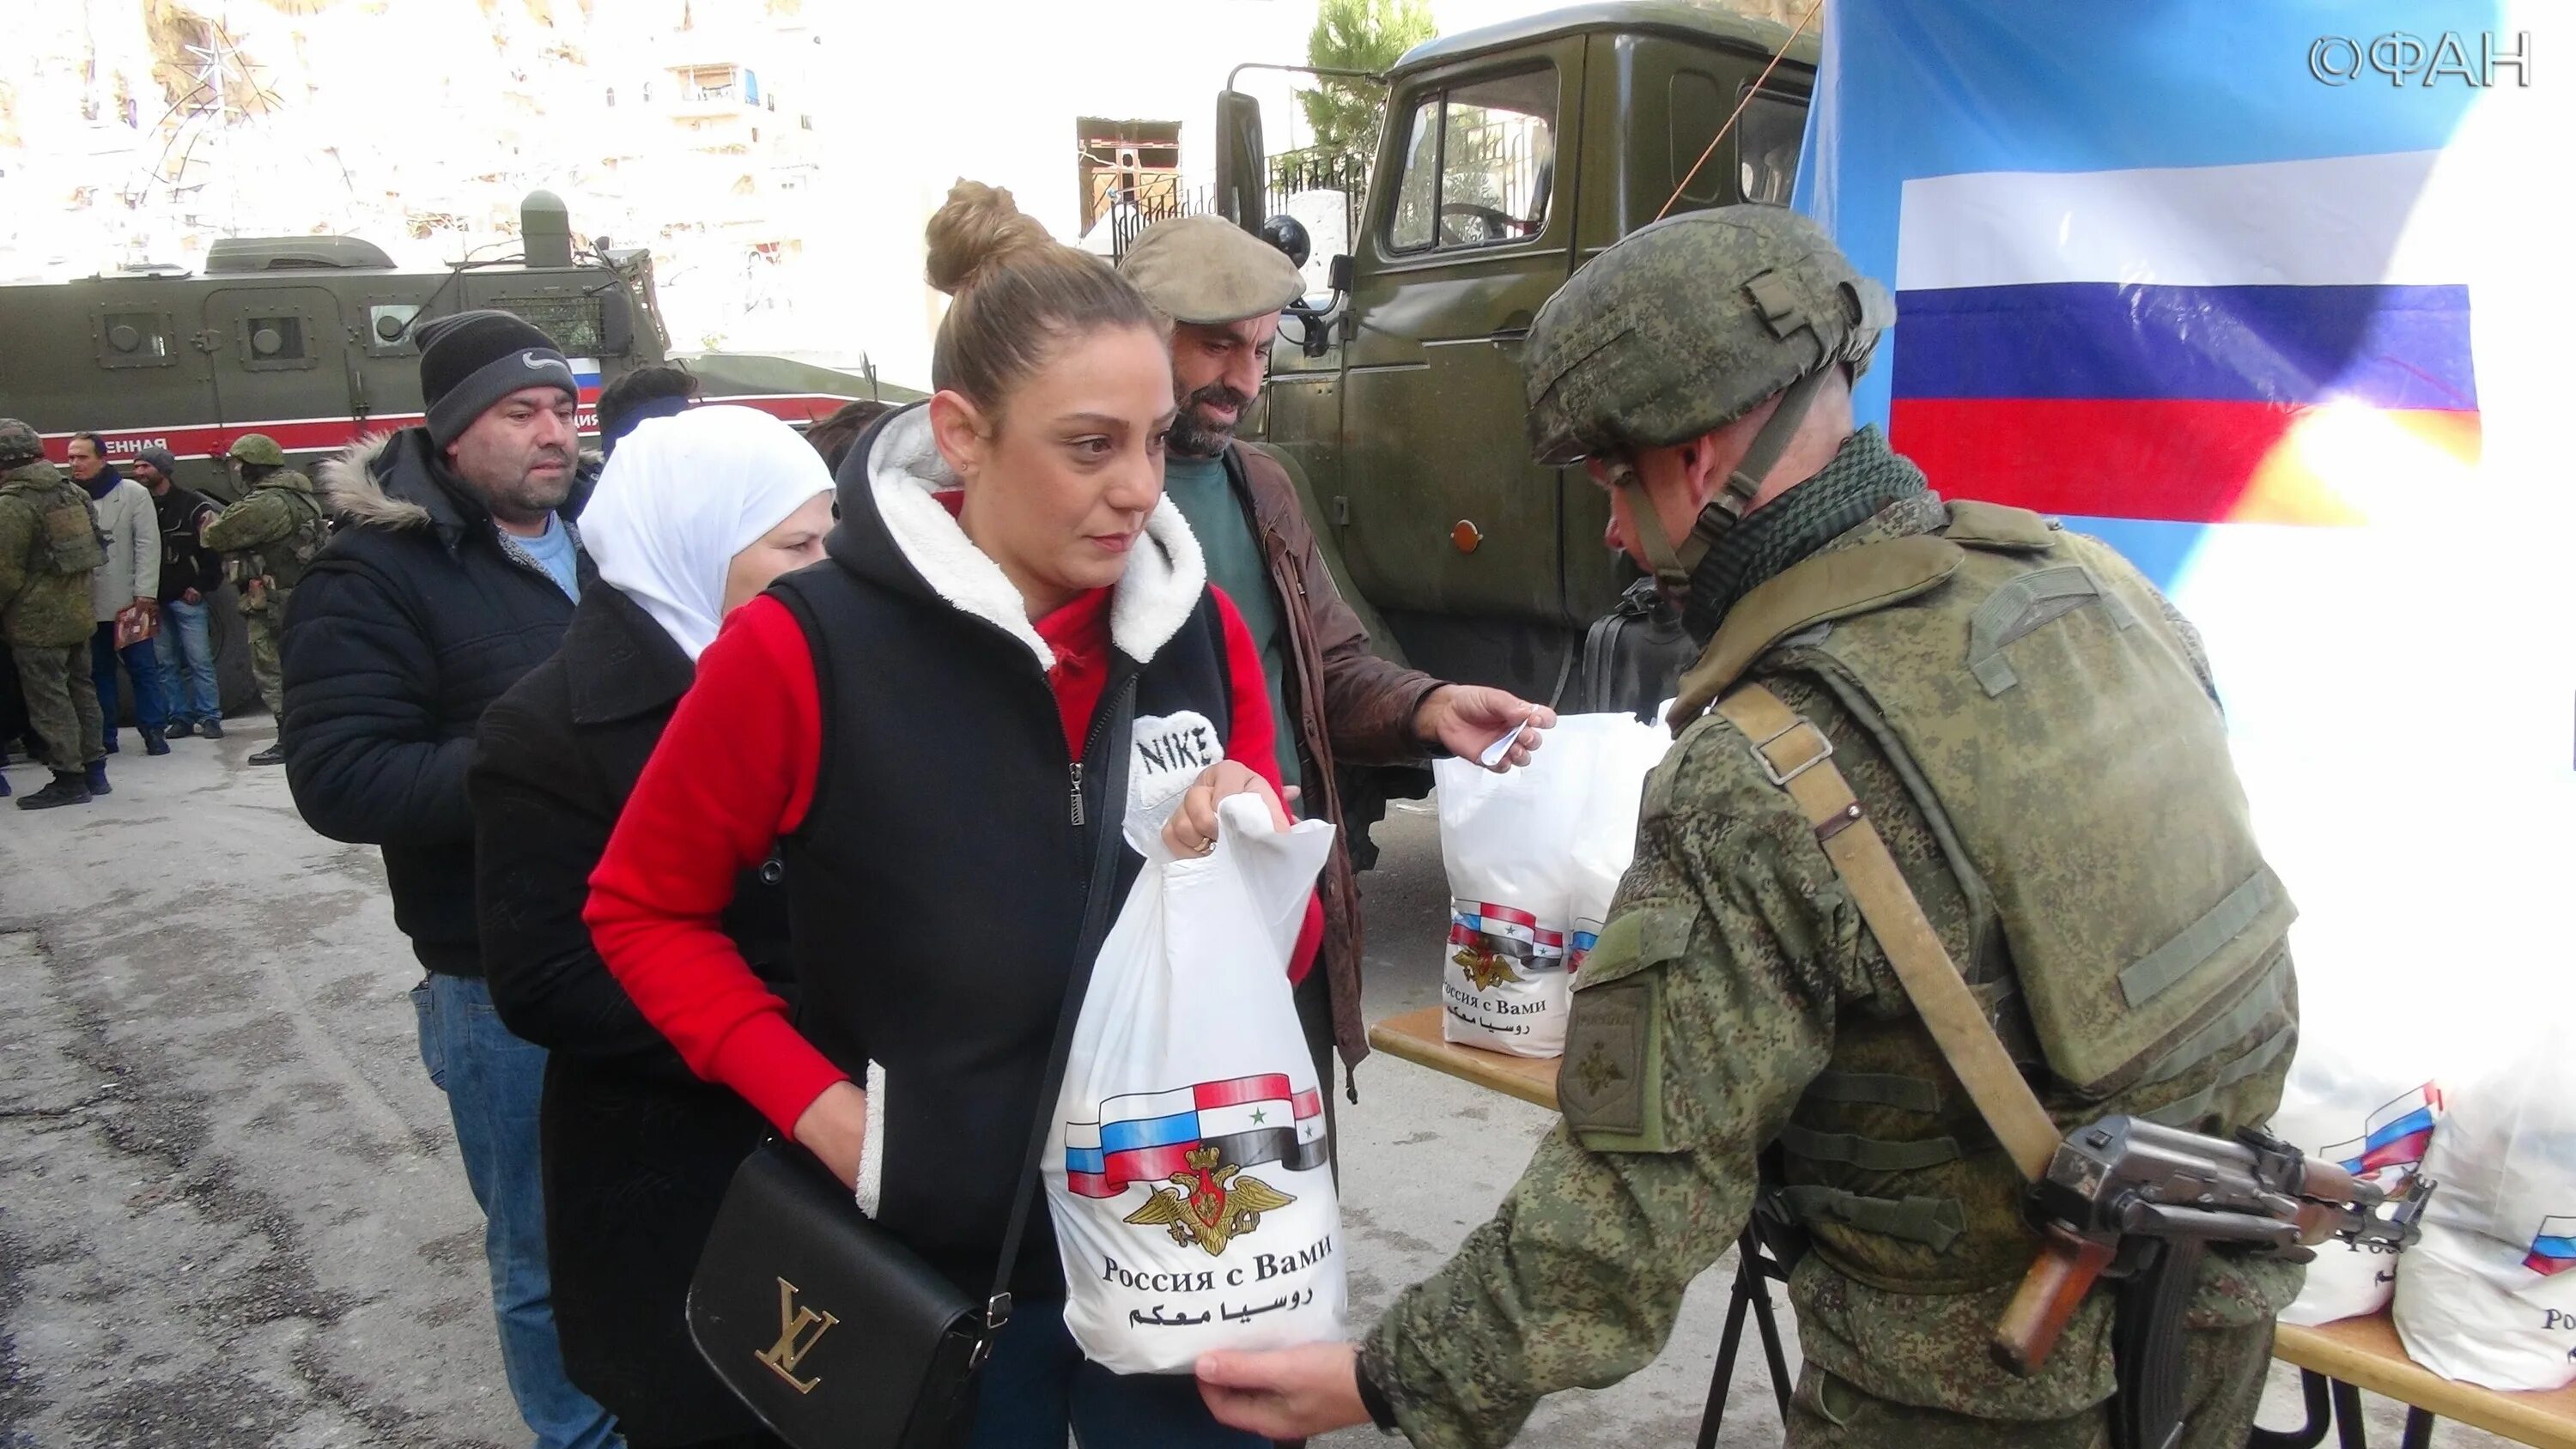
[(1798, 758)]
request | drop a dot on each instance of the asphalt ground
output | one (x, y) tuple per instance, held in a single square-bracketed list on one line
[(231, 1210)]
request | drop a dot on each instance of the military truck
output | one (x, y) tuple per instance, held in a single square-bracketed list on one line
[(1509, 156), (309, 340)]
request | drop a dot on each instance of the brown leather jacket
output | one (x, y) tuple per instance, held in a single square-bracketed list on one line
[(1350, 706)]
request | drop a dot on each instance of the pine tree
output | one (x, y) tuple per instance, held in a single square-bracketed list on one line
[(1369, 35)]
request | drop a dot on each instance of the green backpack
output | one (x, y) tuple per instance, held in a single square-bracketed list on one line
[(73, 543), (290, 557)]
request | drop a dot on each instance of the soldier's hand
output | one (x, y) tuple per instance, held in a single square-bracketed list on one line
[(191, 596), (1289, 1393), (1471, 720)]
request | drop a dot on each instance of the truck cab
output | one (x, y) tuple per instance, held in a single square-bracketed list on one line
[(1509, 156)]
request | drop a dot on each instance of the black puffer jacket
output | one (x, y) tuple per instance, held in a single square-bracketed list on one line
[(416, 616)]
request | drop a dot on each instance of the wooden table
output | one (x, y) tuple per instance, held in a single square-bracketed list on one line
[(2338, 1361)]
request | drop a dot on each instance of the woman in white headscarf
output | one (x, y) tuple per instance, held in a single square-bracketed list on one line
[(694, 516)]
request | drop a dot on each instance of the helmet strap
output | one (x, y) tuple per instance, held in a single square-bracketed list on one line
[(1674, 566)]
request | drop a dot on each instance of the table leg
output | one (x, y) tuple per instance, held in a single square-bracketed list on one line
[(2312, 1389), (2351, 1430), (1769, 1327), (1714, 1413)]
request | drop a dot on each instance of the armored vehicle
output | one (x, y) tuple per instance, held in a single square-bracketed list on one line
[(308, 339)]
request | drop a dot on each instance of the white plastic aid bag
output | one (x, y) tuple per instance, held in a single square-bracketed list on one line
[(1187, 1171), (1605, 834), (2489, 1295), (1510, 844), (2374, 1126)]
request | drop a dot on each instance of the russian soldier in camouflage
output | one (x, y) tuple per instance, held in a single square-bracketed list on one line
[(267, 539), (2029, 728), (49, 547)]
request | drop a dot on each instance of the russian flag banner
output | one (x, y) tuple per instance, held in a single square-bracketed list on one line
[(2036, 367), (2296, 344)]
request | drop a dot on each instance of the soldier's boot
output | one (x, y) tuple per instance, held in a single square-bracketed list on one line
[(273, 755), (154, 742), (65, 790), (180, 728), (213, 728), (98, 778)]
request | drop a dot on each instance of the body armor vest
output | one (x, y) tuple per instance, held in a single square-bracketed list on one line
[(2042, 714)]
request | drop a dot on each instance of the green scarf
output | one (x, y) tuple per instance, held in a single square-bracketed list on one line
[(1863, 478)]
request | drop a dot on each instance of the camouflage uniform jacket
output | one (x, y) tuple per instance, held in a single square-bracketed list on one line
[(39, 608), (265, 514), (1743, 956)]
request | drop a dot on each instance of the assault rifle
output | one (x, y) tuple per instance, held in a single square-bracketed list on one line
[(2143, 1203)]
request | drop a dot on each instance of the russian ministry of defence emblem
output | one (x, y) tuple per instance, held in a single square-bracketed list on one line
[(1190, 1146)]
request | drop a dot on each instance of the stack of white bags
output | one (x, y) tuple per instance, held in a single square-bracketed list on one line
[(1534, 857)]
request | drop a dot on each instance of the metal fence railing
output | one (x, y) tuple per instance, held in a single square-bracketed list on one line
[(1159, 198)]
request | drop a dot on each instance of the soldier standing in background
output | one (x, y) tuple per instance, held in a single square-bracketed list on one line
[(1938, 674), (268, 539), (49, 547)]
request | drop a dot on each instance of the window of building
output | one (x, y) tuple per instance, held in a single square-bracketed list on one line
[(1127, 168), (1479, 164)]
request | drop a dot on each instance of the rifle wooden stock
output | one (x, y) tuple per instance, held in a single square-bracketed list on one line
[(2050, 1293), (2325, 1181)]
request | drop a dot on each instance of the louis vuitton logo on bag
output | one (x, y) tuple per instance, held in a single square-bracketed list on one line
[(799, 1329)]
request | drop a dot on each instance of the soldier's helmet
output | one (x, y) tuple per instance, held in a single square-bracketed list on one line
[(18, 443), (1685, 325), (257, 448)]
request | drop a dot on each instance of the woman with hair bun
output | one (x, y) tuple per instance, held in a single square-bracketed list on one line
[(918, 728)]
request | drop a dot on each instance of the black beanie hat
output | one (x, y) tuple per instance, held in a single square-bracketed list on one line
[(471, 360)]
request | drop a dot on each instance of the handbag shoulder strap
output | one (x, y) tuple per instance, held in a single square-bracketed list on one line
[(1106, 852)]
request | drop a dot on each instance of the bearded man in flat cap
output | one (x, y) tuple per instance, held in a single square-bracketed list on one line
[(1338, 702)]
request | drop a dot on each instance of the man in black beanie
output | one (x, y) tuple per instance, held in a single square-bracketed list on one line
[(452, 571)]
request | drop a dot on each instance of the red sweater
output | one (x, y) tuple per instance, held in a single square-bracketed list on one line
[(735, 771)]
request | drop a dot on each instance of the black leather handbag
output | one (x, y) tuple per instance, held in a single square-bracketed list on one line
[(827, 1326)]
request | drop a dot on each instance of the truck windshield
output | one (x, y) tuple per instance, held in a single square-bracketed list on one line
[(1479, 162)]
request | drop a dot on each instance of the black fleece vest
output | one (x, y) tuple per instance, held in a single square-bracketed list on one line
[(935, 888)]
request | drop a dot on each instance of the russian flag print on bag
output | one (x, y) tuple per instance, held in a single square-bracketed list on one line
[(1189, 1173)]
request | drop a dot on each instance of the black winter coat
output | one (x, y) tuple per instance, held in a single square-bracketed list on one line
[(638, 1151), (416, 616), (186, 563)]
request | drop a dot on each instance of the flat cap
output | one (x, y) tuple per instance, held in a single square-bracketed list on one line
[(1206, 269)]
